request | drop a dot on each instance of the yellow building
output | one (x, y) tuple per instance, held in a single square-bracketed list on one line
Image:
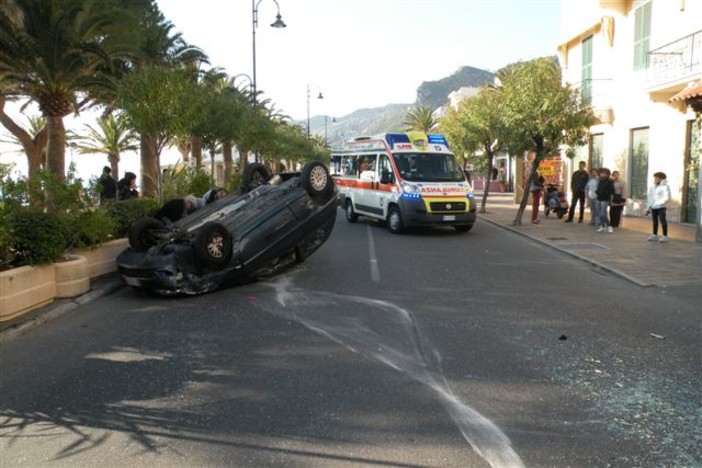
[(639, 63)]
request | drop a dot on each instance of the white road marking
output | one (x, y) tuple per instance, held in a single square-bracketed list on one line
[(348, 320), (375, 272)]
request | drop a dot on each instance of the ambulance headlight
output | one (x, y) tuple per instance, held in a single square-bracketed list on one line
[(410, 190)]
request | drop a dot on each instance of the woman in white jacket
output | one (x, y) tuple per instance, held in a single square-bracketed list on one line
[(658, 198)]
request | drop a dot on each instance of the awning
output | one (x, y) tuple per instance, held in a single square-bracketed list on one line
[(688, 93)]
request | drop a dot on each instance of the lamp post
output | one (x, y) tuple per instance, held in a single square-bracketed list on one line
[(308, 108), (277, 24)]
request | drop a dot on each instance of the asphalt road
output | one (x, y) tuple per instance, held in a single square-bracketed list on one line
[(427, 349)]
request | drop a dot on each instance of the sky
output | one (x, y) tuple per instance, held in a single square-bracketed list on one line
[(362, 53), (357, 53)]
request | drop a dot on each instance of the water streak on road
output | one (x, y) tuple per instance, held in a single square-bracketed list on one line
[(389, 334)]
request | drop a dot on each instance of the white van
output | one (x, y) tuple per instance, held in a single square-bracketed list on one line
[(406, 179)]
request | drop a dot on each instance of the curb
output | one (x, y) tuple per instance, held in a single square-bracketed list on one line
[(572, 254), (101, 287)]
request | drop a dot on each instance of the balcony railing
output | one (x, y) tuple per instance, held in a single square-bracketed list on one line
[(676, 60)]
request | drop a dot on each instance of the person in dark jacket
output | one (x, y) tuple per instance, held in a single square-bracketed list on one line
[(605, 191), (108, 186), (126, 187), (177, 208), (578, 182)]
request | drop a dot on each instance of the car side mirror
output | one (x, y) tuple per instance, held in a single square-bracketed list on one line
[(385, 177)]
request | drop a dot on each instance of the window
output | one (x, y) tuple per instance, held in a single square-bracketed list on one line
[(596, 150), (639, 163), (586, 74), (642, 35)]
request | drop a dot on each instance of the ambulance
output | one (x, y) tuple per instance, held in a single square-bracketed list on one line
[(406, 179)]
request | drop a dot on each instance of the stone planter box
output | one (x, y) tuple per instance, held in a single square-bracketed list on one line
[(27, 288), (101, 260), (72, 277)]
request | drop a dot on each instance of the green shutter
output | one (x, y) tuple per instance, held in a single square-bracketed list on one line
[(586, 74), (642, 35)]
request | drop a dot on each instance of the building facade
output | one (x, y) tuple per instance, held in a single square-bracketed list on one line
[(634, 61)]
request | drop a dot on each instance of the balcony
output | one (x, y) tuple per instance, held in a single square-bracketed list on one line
[(675, 63)]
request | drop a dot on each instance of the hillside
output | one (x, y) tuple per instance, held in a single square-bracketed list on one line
[(390, 118)]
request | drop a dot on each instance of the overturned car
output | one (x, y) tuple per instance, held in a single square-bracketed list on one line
[(276, 222)]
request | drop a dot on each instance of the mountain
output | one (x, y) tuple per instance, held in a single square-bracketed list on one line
[(390, 118)]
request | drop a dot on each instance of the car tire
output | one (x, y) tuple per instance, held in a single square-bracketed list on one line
[(394, 220), (140, 238), (351, 215), (255, 174), (213, 246), (316, 180), (463, 227)]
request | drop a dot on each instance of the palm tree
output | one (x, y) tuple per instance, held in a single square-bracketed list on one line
[(420, 119), (112, 137), (57, 53)]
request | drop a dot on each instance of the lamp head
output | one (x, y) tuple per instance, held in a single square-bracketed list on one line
[(278, 22)]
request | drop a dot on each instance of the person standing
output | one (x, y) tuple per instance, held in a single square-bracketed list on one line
[(618, 200), (656, 204), (605, 190), (126, 187), (591, 191), (536, 188), (108, 186), (578, 183)]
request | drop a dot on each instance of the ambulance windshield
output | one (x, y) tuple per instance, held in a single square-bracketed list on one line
[(428, 167)]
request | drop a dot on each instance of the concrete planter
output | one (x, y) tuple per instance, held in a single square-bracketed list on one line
[(101, 260), (72, 277), (26, 288)]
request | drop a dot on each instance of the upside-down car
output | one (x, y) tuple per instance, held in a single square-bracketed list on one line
[(276, 222)]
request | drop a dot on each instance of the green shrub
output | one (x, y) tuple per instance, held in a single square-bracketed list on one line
[(5, 242), (88, 228), (36, 237), (181, 180), (125, 212)]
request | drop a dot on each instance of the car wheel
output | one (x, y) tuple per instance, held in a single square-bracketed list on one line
[(213, 245), (463, 227), (255, 174), (394, 220), (316, 179), (140, 237), (351, 215)]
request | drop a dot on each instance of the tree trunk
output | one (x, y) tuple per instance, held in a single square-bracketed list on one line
[(33, 147), (114, 164), (149, 166), (197, 152), (491, 164), (539, 154), (228, 163), (243, 159)]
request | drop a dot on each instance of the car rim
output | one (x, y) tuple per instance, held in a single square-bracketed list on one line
[(318, 178), (394, 221), (214, 248)]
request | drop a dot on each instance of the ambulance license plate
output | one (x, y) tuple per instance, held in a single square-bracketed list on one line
[(448, 218)]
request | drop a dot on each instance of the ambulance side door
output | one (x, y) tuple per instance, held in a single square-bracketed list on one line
[(385, 181)]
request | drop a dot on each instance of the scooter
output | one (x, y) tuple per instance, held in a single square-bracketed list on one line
[(555, 200)]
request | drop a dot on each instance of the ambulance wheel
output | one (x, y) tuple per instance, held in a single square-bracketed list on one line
[(351, 215), (394, 220)]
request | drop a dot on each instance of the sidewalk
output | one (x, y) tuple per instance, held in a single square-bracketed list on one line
[(625, 253)]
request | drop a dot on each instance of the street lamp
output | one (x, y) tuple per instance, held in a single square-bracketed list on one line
[(277, 24), (308, 108)]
